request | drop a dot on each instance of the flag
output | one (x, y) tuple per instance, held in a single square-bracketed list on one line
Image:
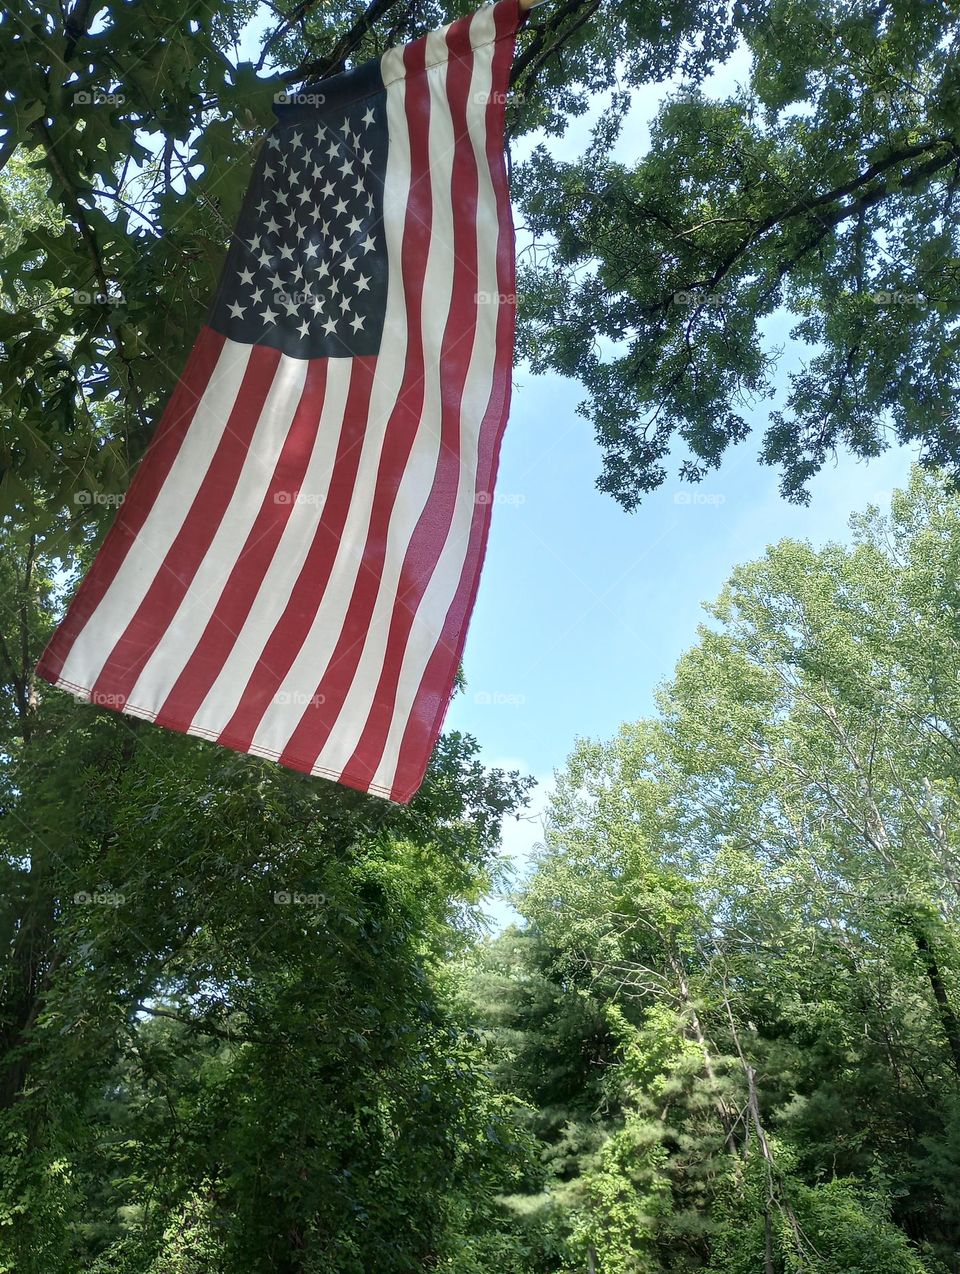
[(292, 571)]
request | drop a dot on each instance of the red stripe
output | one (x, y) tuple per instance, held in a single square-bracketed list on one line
[(283, 645), (433, 528), (320, 715), (253, 561), (433, 695), (175, 575), (140, 498)]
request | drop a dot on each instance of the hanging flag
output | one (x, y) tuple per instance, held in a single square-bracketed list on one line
[(292, 571)]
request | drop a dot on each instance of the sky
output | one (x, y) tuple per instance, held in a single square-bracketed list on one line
[(583, 609)]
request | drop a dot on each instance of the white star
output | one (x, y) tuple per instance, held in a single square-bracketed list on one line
[(356, 322), (358, 185), (236, 310), (293, 178), (317, 304), (286, 251), (254, 242), (290, 305), (272, 226), (346, 168), (329, 327), (267, 170), (334, 287), (327, 190), (282, 197), (369, 201), (368, 118), (265, 259), (304, 328), (273, 142), (325, 227), (321, 132), (335, 244), (333, 149), (344, 303), (246, 276), (276, 282), (300, 231), (339, 207), (269, 316), (262, 207), (291, 216), (346, 128), (257, 296), (348, 263), (363, 283), (310, 251), (368, 244), (296, 141), (317, 172), (353, 225), (304, 195), (367, 158), (323, 270)]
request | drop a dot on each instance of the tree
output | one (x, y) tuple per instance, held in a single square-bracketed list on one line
[(823, 190), (756, 894)]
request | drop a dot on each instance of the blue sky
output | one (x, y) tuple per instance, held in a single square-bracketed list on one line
[(583, 609)]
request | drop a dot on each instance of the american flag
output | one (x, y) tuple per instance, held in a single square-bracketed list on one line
[(292, 571)]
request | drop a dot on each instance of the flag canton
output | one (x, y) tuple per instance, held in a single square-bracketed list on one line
[(306, 272)]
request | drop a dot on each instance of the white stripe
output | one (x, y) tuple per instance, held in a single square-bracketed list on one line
[(278, 583), (145, 557), (275, 729), (178, 643), (433, 607)]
